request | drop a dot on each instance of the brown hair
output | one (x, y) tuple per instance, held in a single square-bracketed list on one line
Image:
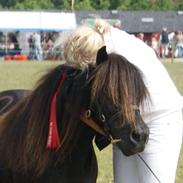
[(122, 82)]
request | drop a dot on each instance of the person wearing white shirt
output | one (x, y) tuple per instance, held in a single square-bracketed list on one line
[(163, 117), (162, 113)]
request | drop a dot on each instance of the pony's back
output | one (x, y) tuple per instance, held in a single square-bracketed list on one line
[(24, 130)]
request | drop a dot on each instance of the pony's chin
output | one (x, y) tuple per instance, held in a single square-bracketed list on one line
[(130, 152)]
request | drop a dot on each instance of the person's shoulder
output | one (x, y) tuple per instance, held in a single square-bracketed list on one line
[(122, 33), (118, 34), (117, 31), (126, 37)]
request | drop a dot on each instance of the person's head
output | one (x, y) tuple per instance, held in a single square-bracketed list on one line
[(179, 32), (141, 35), (164, 29), (117, 24), (83, 43)]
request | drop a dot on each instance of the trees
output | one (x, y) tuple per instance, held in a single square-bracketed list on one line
[(34, 4), (101, 4), (7, 3), (83, 5), (93, 4)]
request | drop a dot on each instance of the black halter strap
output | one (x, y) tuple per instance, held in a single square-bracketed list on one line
[(103, 137), (113, 118)]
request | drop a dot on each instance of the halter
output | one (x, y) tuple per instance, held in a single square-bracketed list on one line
[(86, 118)]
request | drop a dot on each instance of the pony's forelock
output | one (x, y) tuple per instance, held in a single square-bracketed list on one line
[(121, 81)]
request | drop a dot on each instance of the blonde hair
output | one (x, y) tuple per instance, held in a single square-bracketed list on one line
[(102, 26), (82, 44)]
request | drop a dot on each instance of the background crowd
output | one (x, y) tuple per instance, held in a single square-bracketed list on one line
[(43, 45), (165, 44), (36, 45)]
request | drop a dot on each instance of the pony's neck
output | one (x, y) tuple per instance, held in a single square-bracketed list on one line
[(86, 135)]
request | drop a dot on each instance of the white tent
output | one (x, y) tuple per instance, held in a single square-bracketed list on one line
[(36, 21)]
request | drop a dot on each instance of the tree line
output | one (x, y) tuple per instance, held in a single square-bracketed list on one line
[(124, 5)]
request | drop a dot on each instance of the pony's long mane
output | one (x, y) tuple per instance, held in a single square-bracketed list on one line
[(24, 130), (121, 81)]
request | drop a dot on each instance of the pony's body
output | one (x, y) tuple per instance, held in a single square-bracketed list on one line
[(79, 167), (109, 100)]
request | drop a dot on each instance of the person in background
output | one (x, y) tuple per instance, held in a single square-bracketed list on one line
[(117, 24), (155, 45), (179, 44), (47, 46), (32, 47), (172, 44), (164, 42), (162, 114), (38, 48), (140, 36), (14, 40)]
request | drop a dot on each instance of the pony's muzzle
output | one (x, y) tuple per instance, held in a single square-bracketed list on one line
[(139, 137)]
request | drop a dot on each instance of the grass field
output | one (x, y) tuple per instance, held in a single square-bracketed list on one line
[(15, 75)]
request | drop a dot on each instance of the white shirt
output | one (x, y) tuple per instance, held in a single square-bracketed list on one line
[(164, 95)]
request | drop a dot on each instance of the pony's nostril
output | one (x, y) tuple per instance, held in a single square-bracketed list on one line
[(136, 136)]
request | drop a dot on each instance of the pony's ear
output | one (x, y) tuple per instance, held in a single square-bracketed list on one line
[(102, 55)]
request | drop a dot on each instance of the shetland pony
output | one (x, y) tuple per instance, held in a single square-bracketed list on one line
[(47, 136)]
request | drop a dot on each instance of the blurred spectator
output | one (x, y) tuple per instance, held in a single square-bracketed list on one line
[(14, 43), (155, 45), (179, 44), (32, 51), (164, 42), (47, 49), (38, 48), (117, 24), (171, 36), (140, 36), (35, 50)]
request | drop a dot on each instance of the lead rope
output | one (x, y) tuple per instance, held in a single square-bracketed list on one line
[(148, 167)]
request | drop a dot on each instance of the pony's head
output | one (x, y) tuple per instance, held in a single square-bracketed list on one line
[(117, 91), (106, 97)]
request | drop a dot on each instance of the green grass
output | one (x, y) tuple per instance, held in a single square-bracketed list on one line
[(176, 72), (15, 75)]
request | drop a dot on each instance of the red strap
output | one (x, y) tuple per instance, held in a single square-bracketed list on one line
[(53, 141)]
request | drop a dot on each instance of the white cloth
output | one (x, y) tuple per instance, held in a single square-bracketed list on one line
[(164, 95), (163, 115), (161, 154)]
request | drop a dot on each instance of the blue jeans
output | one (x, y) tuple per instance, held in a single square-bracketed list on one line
[(180, 51)]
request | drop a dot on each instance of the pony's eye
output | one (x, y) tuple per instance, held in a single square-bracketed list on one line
[(88, 113), (102, 118)]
